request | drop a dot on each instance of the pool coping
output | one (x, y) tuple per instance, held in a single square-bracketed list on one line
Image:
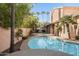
[(60, 38), (64, 40)]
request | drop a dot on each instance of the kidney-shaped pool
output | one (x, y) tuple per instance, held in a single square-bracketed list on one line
[(45, 42)]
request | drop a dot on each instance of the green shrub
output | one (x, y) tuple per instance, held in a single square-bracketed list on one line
[(19, 33)]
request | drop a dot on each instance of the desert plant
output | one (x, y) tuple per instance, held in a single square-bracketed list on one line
[(19, 33)]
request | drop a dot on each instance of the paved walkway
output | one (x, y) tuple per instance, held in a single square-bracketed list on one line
[(26, 51)]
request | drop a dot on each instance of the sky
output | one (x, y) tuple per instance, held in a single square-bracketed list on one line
[(47, 7)]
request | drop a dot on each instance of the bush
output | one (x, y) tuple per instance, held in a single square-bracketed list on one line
[(19, 33)]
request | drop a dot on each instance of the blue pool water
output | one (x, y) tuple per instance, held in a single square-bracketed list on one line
[(53, 44)]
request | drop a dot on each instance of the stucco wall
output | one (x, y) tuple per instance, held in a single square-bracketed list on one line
[(71, 10), (67, 10), (5, 37), (63, 11), (55, 15), (51, 30)]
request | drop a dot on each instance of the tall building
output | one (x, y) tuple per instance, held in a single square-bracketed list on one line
[(57, 13)]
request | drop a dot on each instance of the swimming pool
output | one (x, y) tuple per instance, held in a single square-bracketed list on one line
[(53, 44)]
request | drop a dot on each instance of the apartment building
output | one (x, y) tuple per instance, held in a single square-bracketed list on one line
[(57, 13)]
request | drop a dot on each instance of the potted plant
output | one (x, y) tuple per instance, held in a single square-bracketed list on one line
[(19, 33)]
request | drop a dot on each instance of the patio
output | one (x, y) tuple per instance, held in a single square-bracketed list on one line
[(25, 51)]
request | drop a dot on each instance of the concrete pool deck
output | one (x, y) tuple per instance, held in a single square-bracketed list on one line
[(25, 51)]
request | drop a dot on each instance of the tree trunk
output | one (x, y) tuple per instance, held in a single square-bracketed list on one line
[(68, 30), (75, 27), (12, 27), (57, 31), (64, 28)]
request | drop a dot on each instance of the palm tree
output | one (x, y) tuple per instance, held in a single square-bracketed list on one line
[(58, 29), (12, 9), (75, 25), (43, 14), (47, 15), (38, 13), (66, 21)]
